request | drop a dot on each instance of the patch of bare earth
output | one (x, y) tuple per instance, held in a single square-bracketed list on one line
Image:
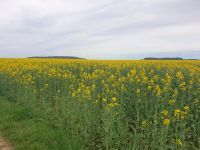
[(4, 145)]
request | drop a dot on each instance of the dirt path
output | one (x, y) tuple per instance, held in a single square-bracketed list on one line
[(4, 145)]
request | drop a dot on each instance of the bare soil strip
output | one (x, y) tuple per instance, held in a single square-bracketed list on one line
[(4, 145)]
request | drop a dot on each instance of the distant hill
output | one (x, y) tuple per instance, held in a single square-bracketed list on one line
[(164, 58), (57, 57)]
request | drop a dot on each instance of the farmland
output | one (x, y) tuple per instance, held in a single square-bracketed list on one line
[(109, 104)]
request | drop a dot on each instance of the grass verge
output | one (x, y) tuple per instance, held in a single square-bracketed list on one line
[(21, 129)]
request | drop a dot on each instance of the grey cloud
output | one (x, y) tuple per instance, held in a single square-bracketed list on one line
[(96, 29)]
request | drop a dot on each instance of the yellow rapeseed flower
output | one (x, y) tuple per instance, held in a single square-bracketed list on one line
[(145, 124), (104, 100), (114, 99), (177, 112), (149, 88), (73, 94), (179, 75), (186, 108), (172, 101), (179, 142), (183, 86), (138, 91), (166, 122), (164, 112)]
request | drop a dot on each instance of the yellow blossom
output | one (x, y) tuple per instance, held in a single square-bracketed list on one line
[(145, 124), (138, 91), (104, 100), (179, 75), (186, 108), (114, 99), (166, 122), (179, 142), (164, 112), (177, 113), (149, 88), (73, 94), (172, 101)]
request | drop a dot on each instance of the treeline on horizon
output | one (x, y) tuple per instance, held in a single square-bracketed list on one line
[(166, 58), (60, 57)]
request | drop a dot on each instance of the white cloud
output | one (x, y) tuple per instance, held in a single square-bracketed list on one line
[(95, 29)]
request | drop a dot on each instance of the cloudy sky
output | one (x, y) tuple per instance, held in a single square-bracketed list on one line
[(100, 29)]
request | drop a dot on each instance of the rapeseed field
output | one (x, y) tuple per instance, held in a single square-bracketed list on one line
[(111, 105)]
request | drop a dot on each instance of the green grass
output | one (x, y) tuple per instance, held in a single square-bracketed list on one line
[(20, 128)]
